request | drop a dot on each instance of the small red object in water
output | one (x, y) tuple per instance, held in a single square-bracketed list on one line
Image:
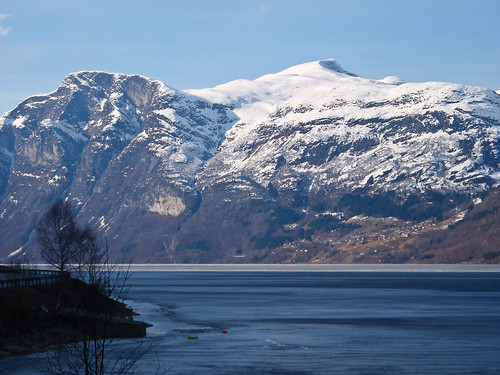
[(225, 331)]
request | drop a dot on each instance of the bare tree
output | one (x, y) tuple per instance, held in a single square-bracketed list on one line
[(99, 317), (61, 240)]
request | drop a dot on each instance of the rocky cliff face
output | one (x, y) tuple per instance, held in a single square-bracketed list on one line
[(247, 169), (124, 149)]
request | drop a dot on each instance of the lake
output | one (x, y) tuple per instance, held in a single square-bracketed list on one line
[(326, 322)]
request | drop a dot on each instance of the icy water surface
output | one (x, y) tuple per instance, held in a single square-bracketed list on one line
[(317, 322)]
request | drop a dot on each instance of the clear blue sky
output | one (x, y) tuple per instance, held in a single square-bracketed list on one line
[(202, 43)]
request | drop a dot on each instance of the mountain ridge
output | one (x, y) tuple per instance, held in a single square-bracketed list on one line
[(246, 169), (361, 106)]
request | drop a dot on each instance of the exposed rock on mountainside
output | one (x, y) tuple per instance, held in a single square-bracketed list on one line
[(125, 149), (252, 170)]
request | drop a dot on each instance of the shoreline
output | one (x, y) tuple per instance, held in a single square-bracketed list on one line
[(302, 267), (430, 268)]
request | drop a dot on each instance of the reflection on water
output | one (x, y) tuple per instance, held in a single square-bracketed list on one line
[(317, 322)]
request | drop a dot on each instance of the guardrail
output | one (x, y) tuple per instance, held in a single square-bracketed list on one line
[(15, 278)]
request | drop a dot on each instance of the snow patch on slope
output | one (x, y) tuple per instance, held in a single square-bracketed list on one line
[(392, 80), (6, 120), (65, 128), (19, 122)]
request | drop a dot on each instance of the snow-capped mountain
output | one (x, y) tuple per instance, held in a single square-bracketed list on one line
[(318, 122), (231, 172), (120, 147)]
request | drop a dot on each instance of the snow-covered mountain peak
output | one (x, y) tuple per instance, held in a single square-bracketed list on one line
[(319, 107), (276, 87), (319, 85), (136, 86), (102, 78), (319, 68), (107, 112)]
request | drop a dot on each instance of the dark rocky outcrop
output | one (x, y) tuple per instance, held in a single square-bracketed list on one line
[(30, 321)]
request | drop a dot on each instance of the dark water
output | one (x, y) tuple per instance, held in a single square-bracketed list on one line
[(316, 323)]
